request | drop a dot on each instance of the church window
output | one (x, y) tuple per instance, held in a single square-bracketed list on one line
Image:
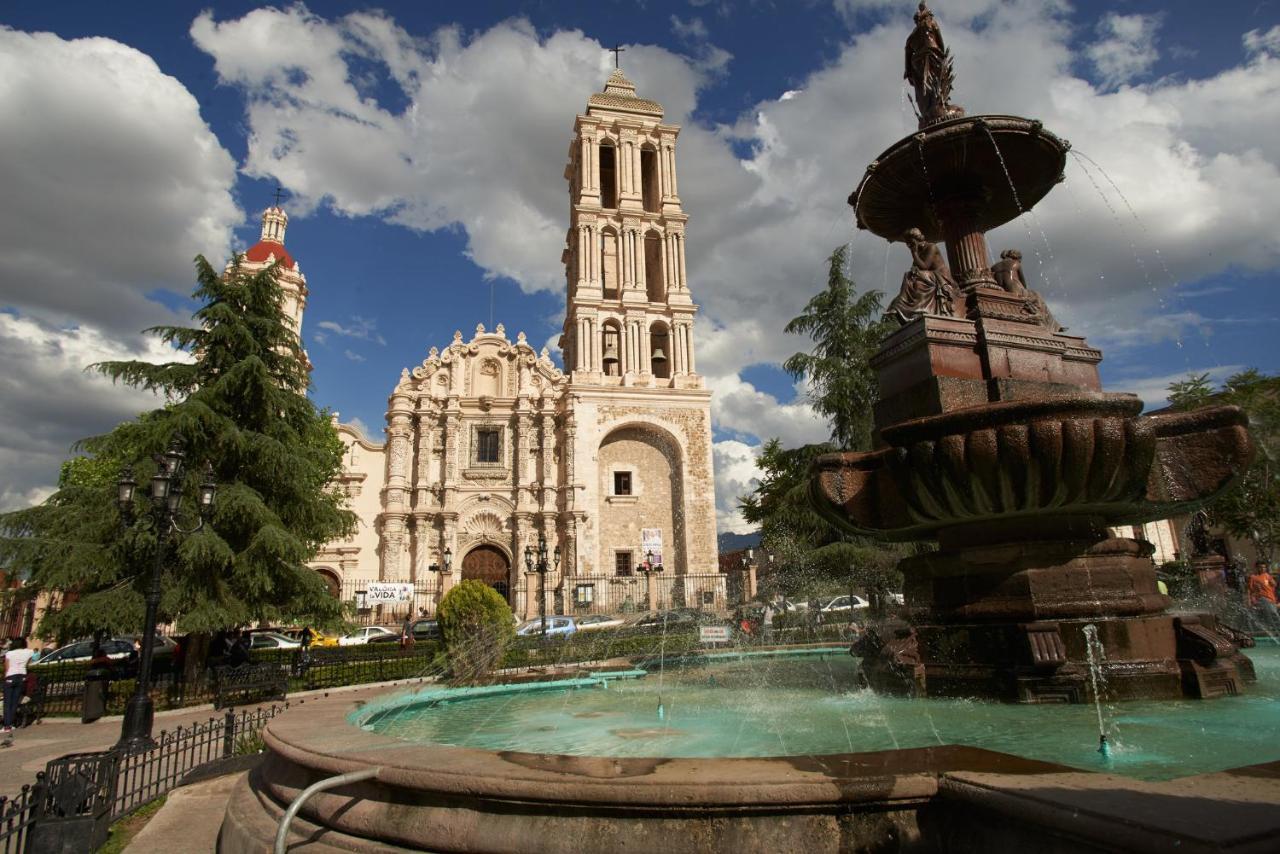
[(608, 176), (488, 445), (622, 563), (649, 179), (622, 483)]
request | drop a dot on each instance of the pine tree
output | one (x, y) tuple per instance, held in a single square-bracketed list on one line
[(239, 405)]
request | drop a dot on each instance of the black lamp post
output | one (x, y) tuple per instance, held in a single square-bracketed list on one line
[(165, 512), (541, 569)]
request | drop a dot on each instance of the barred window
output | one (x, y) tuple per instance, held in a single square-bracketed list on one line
[(622, 483), (487, 446), (622, 563)]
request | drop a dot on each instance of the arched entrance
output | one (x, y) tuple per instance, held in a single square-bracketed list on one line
[(331, 581), (490, 565)]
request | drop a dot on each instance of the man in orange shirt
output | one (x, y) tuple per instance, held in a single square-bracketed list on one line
[(1262, 595)]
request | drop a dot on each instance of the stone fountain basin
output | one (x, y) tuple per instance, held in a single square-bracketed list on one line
[(439, 798), (1088, 456), (902, 186)]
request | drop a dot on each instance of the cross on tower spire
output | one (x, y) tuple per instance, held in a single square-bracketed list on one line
[(278, 194), (616, 50)]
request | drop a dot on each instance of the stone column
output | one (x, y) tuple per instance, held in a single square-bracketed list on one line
[(966, 243)]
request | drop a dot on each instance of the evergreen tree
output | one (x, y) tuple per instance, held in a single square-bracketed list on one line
[(1251, 509), (239, 406), (846, 329)]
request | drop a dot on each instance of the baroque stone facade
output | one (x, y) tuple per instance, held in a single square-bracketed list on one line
[(489, 446)]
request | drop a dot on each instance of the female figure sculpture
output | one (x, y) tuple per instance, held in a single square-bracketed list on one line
[(928, 69), (927, 288)]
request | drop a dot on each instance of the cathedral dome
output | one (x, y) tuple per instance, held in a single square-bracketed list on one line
[(264, 249)]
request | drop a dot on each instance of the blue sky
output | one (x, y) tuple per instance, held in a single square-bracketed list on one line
[(421, 147)]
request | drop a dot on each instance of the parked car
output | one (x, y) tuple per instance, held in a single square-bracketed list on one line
[(272, 640), (592, 622), (423, 630), (120, 650), (846, 604), (366, 635), (556, 625), (677, 618)]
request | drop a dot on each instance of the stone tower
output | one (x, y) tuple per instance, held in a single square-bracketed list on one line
[(270, 249)]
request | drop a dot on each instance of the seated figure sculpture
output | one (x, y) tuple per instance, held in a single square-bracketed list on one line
[(927, 288), (1008, 275)]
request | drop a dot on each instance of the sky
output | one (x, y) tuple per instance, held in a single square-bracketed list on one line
[(421, 149)]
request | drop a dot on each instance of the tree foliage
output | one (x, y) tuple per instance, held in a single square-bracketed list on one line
[(846, 328), (240, 405), (1251, 509), (477, 626)]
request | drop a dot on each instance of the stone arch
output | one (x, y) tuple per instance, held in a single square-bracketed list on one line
[(611, 348), (332, 580), (607, 158), (660, 343), (654, 458)]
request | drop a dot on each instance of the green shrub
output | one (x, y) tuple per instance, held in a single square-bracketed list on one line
[(477, 626)]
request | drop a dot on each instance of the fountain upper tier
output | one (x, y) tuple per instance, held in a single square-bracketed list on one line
[(957, 180)]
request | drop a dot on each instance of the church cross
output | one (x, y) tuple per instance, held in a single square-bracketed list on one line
[(279, 193), (616, 50)]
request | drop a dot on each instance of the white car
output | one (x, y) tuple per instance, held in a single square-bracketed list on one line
[(599, 621), (271, 640), (845, 603), (363, 636)]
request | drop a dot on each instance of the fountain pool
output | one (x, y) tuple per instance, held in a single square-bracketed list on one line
[(809, 704)]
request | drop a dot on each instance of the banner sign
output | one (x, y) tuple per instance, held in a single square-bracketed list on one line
[(713, 634), (379, 592), (651, 541)]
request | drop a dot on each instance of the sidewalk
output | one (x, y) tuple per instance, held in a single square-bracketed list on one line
[(34, 746)]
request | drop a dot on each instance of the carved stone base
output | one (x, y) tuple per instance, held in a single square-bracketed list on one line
[(1152, 657)]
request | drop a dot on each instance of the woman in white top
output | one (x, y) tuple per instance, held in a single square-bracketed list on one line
[(15, 677)]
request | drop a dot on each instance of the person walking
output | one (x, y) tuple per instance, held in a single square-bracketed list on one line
[(1262, 596), (15, 678), (97, 686)]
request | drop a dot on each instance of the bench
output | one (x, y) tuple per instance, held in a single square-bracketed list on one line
[(249, 683)]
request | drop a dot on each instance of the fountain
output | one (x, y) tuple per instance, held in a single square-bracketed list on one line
[(996, 440)]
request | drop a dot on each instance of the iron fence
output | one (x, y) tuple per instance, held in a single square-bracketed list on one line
[(424, 593), (134, 780), (625, 594)]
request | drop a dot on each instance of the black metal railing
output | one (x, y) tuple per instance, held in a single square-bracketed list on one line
[(78, 790)]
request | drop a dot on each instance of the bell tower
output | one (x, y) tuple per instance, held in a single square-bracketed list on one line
[(630, 315)]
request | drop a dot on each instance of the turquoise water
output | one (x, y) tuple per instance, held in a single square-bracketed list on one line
[(809, 705)]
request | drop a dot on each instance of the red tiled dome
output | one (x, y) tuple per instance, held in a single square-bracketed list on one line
[(261, 250)]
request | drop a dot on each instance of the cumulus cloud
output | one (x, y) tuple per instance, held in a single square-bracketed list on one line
[(50, 402), (112, 181), (1191, 183), (736, 476), (1125, 49), (112, 184), (1154, 390)]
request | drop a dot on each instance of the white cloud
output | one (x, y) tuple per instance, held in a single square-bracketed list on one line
[(50, 401), (736, 476), (112, 182), (360, 327), (1125, 49), (353, 356), (1154, 391), (690, 30), (1257, 41)]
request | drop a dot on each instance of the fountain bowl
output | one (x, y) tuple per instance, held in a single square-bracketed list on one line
[(961, 157)]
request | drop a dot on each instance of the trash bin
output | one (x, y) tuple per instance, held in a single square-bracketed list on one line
[(75, 813), (97, 692)]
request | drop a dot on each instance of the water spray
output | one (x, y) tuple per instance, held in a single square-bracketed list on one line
[(1104, 746), (662, 710)]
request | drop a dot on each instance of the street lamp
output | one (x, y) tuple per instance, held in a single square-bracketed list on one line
[(165, 512), (541, 569)]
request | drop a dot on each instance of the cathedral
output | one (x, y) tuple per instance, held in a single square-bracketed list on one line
[(495, 456)]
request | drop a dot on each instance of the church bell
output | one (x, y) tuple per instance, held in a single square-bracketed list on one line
[(658, 355), (611, 351)]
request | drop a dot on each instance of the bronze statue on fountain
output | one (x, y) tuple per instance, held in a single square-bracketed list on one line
[(997, 441)]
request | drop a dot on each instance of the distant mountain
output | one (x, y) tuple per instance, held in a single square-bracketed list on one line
[(730, 542)]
